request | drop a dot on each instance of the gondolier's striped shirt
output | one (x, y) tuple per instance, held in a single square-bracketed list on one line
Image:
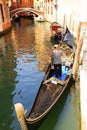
[(56, 57)]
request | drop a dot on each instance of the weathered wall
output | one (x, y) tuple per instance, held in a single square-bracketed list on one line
[(5, 22), (70, 13)]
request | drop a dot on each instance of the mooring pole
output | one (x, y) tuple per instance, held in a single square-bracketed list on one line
[(77, 57), (20, 115)]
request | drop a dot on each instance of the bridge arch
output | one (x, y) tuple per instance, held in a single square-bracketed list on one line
[(19, 10)]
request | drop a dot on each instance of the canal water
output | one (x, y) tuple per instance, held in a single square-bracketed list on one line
[(24, 55)]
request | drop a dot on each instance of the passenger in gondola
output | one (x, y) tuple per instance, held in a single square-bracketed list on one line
[(56, 37), (59, 35), (56, 60)]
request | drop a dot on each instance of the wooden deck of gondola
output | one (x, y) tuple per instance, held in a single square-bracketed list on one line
[(47, 98)]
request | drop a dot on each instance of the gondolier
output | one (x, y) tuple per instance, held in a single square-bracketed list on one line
[(56, 60)]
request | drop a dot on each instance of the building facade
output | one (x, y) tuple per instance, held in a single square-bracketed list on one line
[(22, 3), (72, 14), (51, 10), (5, 23), (39, 5)]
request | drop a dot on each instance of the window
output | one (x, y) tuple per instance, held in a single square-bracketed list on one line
[(1, 10), (41, 4)]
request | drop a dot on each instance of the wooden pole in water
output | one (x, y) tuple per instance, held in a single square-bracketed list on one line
[(77, 58), (20, 115)]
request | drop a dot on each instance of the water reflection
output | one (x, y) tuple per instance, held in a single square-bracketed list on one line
[(43, 55), (33, 40), (75, 93), (7, 82)]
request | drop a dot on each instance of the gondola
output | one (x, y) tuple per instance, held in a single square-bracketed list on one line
[(50, 91), (16, 18), (56, 29)]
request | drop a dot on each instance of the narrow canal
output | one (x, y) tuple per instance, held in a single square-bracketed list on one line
[(24, 55)]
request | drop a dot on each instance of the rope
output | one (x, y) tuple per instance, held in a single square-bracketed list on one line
[(55, 80)]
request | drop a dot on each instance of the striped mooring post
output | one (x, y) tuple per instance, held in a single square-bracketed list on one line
[(20, 115)]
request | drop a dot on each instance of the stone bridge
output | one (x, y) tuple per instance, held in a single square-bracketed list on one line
[(32, 10)]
